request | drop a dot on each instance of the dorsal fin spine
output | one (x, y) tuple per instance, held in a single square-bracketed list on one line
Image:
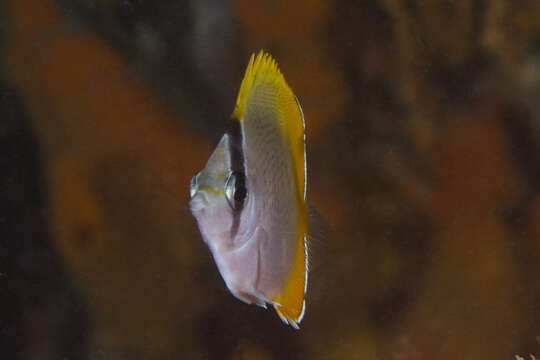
[(261, 68)]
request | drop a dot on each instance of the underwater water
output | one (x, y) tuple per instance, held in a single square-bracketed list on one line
[(423, 151)]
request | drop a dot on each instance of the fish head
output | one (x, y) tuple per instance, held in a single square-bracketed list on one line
[(219, 203), (217, 194)]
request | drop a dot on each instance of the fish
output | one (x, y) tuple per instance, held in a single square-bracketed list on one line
[(249, 201)]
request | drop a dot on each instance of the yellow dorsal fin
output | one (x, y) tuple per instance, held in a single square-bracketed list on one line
[(261, 69)]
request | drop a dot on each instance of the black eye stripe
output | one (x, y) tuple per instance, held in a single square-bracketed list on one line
[(238, 168), (240, 191), (235, 147), (235, 190)]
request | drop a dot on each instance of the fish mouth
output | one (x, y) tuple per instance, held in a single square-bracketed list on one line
[(198, 202)]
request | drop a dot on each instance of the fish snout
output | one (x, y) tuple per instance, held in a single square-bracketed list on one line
[(198, 202)]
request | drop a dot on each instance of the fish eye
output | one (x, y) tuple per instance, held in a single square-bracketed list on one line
[(194, 185), (235, 189)]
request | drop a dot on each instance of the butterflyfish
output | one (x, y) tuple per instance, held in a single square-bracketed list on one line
[(250, 199)]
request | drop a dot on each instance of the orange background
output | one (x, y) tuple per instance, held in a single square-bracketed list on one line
[(423, 127)]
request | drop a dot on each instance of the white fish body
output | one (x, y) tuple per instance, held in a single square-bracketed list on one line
[(250, 199)]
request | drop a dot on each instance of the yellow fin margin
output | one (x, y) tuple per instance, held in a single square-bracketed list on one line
[(290, 305)]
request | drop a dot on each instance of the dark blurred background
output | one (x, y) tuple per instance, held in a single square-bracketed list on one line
[(423, 126)]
